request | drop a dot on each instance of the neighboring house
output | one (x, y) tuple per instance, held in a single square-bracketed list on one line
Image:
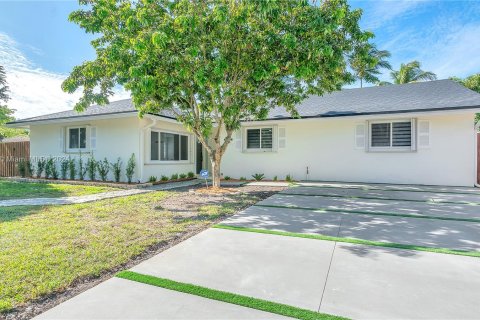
[(419, 133)]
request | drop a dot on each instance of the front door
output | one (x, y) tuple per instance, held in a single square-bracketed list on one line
[(199, 157)]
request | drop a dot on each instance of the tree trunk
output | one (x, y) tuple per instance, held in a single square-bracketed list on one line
[(361, 83), (215, 160)]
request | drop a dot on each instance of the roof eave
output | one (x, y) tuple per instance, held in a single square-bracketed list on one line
[(449, 109)]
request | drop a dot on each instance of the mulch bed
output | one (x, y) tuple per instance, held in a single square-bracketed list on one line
[(184, 202)]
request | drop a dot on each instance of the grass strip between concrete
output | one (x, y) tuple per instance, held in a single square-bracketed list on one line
[(378, 213), (475, 254), (232, 298), (379, 198), (390, 189)]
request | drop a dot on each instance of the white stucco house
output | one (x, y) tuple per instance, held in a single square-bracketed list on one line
[(419, 133)]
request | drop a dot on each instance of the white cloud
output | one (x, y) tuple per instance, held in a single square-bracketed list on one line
[(35, 91), (381, 12)]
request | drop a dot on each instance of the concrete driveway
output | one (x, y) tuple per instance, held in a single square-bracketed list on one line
[(352, 280)]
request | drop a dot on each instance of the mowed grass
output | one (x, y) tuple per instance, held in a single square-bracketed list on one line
[(22, 190), (45, 249)]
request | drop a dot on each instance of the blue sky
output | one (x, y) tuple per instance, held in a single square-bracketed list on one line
[(39, 46)]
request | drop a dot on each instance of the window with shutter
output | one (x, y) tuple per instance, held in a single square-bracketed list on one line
[(260, 138), (391, 135), (76, 139)]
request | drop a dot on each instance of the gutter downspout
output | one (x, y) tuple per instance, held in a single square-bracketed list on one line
[(142, 144), (477, 126)]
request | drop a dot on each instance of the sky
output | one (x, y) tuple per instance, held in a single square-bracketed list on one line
[(39, 46)]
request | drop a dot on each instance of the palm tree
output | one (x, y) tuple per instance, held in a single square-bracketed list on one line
[(367, 61), (409, 72), (3, 85)]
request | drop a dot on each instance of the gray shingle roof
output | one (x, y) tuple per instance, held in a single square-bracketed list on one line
[(114, 107), (412, 97)]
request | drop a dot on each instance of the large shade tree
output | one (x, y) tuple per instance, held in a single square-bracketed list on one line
[(215, 63), (367, 61), (410, 72)]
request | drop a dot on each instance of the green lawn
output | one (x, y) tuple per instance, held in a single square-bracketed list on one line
[(22, 190), (45, 249)]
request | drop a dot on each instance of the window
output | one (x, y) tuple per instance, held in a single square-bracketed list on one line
[(391, 135), (260, 138), (77, 138), (168, 146)]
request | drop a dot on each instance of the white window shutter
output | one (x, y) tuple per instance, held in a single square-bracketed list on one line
[(238, 139), (61, 139), (423, 134), (360, 136), (413, 135), (93, 138), (282, 137)]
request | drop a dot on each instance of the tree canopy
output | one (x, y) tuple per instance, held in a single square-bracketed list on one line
[(410, 72), (471, 82), (215, 63), (366, 62)]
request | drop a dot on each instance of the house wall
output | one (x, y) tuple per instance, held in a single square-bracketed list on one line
[(166, 168), (328, 148), (114, 138), (118, 137)]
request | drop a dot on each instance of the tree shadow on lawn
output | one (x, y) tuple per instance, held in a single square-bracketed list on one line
[(13, 213), (11, 190)]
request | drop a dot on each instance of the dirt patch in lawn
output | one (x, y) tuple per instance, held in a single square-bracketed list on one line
[(196, 210)]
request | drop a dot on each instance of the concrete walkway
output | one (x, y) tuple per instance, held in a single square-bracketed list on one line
[(96, 196), (350, 280)]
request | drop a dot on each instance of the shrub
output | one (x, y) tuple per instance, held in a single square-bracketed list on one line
[(64, 168), (152, 179), (103, 169), (130, 168), (54, 170), (182, 176), (51, 169), (48, 168), (91, 168), (22, 168), (117, 169), (30, 168), (275, 178), (174, 176), (227, 178), (288, 178), (71, 168), (258, 176), (164, 178), (41, 167), (82, 169), (191, 174), (243, 178)]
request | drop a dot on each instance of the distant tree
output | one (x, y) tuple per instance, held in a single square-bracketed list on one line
[(409, 72), (473, 83), (6, 114), (366, 62), (215, 63), (3, 85)]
